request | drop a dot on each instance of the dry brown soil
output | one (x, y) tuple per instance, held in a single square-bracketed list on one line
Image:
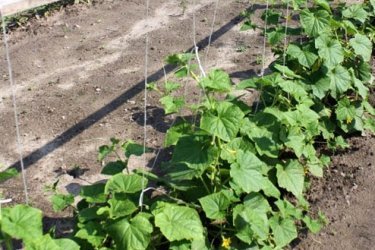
[(79, 78)]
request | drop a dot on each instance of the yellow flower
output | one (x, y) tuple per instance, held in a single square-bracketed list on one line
[(226, 242)]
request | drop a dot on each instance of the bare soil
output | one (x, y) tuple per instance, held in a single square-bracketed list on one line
[(80, 81)]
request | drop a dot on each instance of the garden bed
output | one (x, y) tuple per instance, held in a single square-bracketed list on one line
[(79, 76)]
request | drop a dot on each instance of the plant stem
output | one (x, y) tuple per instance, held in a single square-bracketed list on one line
[(205, 185)]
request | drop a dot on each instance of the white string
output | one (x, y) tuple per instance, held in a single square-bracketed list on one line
[(195, 44), (265, 41), (264, 50), (145, 109), (12, 86), (211, 32), (285, 35)]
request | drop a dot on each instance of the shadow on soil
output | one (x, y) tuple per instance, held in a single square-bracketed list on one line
[(90, 120)]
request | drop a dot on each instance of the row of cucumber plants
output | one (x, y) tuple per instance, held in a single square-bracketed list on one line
[(237, 177)]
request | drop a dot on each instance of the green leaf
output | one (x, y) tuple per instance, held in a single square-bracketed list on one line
[(178, 222), (324, 4), (121, 207), (174, 133), (284, 230), (250, 224), (266, 141), (215, 205), (286, 71), (340, 80), (179, 59), (230, 149), (224, 123), (294, 89), (330, 50), (22, 222), (61, 201), (122, 183), (275, 36), (47, 243), (314, 225), (315, 23), (247, 172), (132, 148), (94, 193), (286, 209), (113, 168), (92, 232), (171, 86), (291, 177), (321, 87), (194, 151), (304, 57), (356, 11), (133, 234), (247, 25), (217, 80), (257, 203), (172, 104), (8, 174), (362, 46), (104, 151), (271, 16)]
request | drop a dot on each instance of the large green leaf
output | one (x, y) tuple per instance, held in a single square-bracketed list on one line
[(340, 80), (250, 224), (133, 234), (121, 206), (178, 222), (217, 80), (194, 151), (356, 11), (362, 46), (45, 242), (330, 50), (224, 123), (113, 168), (215, 205), (291, 176), (172, 104), (22, 222), (174, 133), (61, 201), (122, 183), (304, 57), (94, 193), (8, 174), (284, 230), (247, 172), (93, 232), (315, 23), (294, 89)]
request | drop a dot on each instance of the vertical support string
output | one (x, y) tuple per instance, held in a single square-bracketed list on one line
[(211, 33), (264, 50), (265, 40), (12, 86), (145, 109), (286, 33)]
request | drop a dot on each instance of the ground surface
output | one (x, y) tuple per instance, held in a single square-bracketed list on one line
[(80, 76)]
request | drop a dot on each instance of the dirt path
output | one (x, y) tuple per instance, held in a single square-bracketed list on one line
[(79, 76)]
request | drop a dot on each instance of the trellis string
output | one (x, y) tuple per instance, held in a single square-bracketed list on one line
[(12, 86), (211, 32), (286, 33), (264, 50), (145, 109)]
